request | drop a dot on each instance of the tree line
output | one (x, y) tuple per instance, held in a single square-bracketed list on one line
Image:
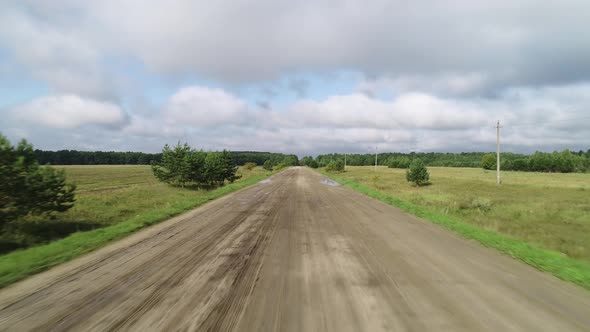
[(555, 162), (259, 158), (74, 157), (464, 159), (565, 161)]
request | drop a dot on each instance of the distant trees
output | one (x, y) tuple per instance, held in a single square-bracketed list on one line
[(417, 173), (521, 164), (309, 162), (74, 157), (290, 160), (555, 162), (564, 161), (465, 159), (242, 157), (305, 160), (488, 161), (398, 162), (182, 166), (28, 188)]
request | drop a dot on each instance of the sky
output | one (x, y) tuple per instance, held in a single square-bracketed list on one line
[(305, 77)]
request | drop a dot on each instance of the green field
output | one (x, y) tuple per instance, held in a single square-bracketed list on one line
[(549, 210), (111, 202), (108, 194)]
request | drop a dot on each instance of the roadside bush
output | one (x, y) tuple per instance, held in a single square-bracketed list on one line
[(488, 161), (335, 166), (182, 166), (267, 165), (281, 166), (313, 164), (249, 166), (478, 203), (481, 204), (28, 188), (417, 173)]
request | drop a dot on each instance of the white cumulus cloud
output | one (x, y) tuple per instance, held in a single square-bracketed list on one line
[(69, 111), (203, 107)]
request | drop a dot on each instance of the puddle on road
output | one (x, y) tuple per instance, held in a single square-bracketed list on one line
[(266, 181), (329, 182)]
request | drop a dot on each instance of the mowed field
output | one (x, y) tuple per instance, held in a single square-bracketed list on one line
[(109, 194), (549, 210)]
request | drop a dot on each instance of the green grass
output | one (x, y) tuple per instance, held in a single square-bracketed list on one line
[(541, 219), (117, 201)]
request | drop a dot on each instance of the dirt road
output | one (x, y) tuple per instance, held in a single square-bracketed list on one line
[(294, 253)]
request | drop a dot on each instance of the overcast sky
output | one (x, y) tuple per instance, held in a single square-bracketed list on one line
[(303, 77)]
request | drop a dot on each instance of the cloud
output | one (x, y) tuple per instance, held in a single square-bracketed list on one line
[(69, 111), (356, 123), (263, 104), (47, 43), (484, 43), (203, 107), (433, 75), (211, 118), (411, 111), (466, 84), (299, 86)]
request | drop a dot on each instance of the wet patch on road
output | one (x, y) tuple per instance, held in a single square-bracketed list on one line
[(329, 182)]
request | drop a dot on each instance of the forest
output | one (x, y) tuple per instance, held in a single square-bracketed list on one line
[(74, 157), (557, 162)]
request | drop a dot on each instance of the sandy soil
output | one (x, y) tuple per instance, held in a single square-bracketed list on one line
[(296, 253)]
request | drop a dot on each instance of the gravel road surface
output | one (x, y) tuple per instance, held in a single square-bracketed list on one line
[(294, 253)]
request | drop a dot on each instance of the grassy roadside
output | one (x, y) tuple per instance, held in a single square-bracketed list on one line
[(20, 264), (558, 264)]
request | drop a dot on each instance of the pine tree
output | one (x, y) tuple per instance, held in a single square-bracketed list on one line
[(28, 188), (229, 168), (418, 173)]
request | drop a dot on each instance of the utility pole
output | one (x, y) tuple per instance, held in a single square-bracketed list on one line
[(375, 159), (498, 181), (345, 161)]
